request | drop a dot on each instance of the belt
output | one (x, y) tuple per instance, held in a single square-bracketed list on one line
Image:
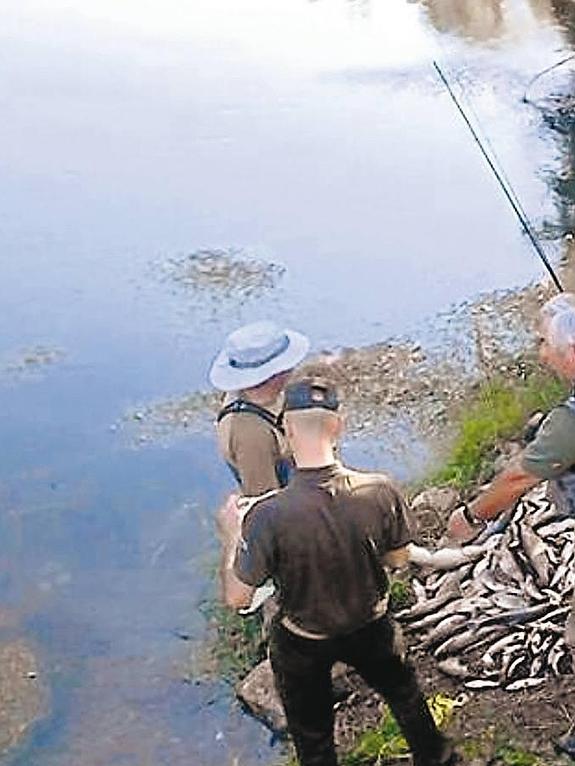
[(378, 611)]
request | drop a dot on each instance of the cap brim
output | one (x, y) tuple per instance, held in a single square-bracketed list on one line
[(227, 378)]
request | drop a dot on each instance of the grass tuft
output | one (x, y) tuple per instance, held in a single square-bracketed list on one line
[(497, 413), (512, 756), (387, 741), (238, 645)]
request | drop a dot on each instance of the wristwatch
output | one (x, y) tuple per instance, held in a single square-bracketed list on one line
[(469, 517)]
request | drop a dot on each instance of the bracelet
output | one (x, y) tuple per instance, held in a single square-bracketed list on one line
[(469, 517)]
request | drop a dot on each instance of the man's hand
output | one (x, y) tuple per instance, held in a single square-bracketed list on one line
[(235, 593), (229, 522), (459, 528)]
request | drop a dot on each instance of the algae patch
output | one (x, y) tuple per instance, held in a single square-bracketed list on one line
[(30, 363), (228, 274)]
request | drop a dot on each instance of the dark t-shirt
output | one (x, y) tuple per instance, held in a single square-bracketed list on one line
[(322, 540)]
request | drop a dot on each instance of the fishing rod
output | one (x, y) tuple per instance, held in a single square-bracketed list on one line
[(506, 187)]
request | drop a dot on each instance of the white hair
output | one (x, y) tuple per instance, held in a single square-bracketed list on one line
[(559, 315)]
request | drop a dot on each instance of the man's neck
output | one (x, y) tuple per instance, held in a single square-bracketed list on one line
[(314, 458), (261, 397)]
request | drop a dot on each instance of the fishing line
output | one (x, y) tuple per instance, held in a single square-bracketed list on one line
[(503, 182), (548, 69), (480, 130)]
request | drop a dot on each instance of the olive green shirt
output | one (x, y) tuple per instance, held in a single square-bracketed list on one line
[(253, 448), (552, 452)]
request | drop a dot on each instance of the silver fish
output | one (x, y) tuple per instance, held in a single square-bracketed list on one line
[(556, 528), (453, 667), (480, 683), (536, 551), (524, 683)]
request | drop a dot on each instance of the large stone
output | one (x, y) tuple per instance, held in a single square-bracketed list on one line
[(258, 692), (438, 499), (22, 694)]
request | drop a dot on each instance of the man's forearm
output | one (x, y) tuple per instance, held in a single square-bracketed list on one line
[(234, 592), (227, 565), (505, 490)]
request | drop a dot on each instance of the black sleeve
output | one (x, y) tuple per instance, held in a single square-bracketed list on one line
[(399, 527), (254, 562)]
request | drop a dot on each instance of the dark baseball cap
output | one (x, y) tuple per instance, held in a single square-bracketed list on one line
[(309, 394)]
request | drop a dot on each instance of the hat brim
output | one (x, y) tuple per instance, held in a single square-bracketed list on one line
[(227, 378)]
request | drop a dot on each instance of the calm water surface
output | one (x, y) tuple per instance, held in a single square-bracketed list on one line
[(312, 135)]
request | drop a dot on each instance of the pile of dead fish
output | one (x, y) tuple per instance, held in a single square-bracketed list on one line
[(494, 613)]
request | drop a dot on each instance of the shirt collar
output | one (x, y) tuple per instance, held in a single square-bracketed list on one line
[(317, 475)]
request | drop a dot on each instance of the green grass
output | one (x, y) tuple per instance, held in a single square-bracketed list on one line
[(512, 756), (237, 645), (400, 594), (497, 413), (386, 741)]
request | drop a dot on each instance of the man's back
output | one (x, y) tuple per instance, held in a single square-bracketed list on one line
[(323, 540), (254, 448)]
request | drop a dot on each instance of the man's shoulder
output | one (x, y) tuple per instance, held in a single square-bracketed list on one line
[(368, 482), (561, 419)]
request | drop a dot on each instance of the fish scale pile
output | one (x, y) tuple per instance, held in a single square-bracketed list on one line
[(494, 613)]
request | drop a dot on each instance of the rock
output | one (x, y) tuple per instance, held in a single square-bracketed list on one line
[(22, 698), (258, 692), (440, 499)]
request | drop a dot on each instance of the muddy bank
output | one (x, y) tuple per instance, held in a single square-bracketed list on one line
[(399, 391), (23, 695)]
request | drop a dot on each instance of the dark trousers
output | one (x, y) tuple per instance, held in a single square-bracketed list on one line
[(302, 670)]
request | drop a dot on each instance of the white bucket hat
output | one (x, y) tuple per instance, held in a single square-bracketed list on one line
[(255, 353)]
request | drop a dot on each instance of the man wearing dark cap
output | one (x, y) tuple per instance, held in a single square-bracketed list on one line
[(325, 541)]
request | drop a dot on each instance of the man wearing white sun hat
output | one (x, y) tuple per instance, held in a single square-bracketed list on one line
[(252, 369)]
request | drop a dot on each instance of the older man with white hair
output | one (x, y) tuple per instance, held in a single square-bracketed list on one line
[(549, 457)]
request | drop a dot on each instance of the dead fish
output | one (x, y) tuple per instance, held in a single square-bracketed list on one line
[(516, 665), (430, 620), (513, 616), (556, 528), (567, 552), (524, 683), (481, 683), (508, 601), (418, 590), (446, 628), (431, 605), (543, 514), (464, 639), (491, 583), (536, 666), (555, 655), (536, 551), (499, 646), (531, 589), (444, 558), (510, 655), (453, 667), (509, 567)]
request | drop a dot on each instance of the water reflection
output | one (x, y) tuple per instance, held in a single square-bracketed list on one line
[(476, 20), (490, 20), (169, 128)]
